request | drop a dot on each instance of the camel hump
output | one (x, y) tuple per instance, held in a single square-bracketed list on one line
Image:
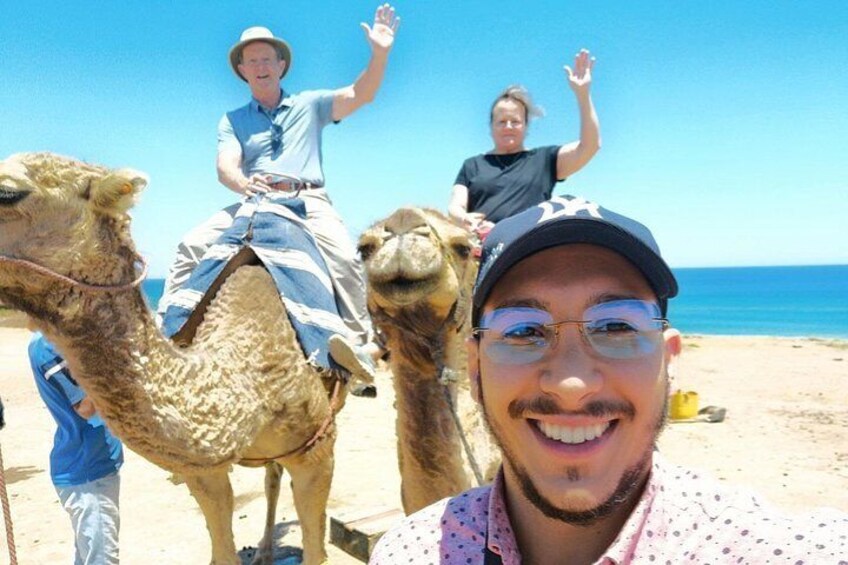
[(184, 335)]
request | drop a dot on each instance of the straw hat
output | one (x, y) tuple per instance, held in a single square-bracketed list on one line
[(259, 33)]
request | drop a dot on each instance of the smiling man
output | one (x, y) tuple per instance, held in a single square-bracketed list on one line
[(569, 360)]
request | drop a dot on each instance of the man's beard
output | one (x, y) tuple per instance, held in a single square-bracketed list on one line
[(629, 483)]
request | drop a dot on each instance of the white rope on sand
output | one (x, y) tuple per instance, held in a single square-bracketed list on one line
[(7, 514)]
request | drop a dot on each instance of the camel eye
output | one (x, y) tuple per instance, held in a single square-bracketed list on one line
[(10, 196), (366, 250), (462, 249)]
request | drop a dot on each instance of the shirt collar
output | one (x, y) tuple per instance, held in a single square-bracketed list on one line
[(500, 535), (285, 102)]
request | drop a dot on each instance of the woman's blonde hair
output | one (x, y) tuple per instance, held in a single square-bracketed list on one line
[(519, 94)]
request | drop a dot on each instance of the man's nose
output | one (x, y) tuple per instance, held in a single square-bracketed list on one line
[(570, 371)]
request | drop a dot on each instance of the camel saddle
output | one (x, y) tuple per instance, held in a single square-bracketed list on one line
[(269, 230)]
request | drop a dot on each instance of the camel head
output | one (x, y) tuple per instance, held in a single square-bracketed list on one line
[(419, 268), (67, 217)]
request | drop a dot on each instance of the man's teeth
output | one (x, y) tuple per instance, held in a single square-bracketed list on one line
[(571, 434)]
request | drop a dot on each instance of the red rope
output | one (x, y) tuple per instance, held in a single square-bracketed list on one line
[(92, 287)]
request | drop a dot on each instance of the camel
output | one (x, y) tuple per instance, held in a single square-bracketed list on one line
[(240, 391), (420, 275)]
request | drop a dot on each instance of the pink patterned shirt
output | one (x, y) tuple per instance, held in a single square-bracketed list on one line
[(682, 517)]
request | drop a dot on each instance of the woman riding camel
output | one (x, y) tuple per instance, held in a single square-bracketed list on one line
[(509, 178)]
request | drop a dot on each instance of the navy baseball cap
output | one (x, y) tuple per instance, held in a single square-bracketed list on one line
[(563, 220)]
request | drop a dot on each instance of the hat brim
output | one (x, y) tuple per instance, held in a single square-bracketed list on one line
[(590, 231), (279, 44)]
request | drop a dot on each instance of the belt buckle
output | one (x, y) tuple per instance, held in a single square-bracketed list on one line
[(292, 185), (287, 186)]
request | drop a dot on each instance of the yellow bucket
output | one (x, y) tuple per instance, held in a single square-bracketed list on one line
[(684, 405)]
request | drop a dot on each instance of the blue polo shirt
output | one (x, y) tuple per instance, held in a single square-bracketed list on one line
[(284, 140), (83, 450)]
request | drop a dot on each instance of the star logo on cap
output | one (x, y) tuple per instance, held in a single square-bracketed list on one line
[(558, 207)]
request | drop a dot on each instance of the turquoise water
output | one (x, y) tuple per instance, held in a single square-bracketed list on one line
[(782, 301)]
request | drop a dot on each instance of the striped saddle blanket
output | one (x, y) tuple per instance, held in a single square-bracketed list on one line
[(274, 228)]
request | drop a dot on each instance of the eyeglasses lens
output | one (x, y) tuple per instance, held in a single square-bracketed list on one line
[(620, 329)]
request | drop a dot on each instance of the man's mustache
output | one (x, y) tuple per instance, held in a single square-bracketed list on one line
[(544, 405)]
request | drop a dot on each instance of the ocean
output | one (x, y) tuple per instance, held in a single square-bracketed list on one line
[(779, 301)]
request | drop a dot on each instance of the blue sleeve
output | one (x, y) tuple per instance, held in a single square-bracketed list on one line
[(69, 386), (323, 103), (47, 364), (227, 136)]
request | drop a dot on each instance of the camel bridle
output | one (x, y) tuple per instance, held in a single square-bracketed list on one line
[(323, 429), (79, 284)]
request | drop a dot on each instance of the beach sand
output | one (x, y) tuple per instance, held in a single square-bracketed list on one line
[(785, 436)]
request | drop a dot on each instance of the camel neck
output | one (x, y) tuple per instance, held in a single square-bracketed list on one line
[(428, 439), (131, 372)]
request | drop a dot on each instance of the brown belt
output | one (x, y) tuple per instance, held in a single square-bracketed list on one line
[(293, 186)]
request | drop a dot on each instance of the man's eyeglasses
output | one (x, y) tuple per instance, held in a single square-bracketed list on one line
[(620, 329), (276, 138), (263, 62)]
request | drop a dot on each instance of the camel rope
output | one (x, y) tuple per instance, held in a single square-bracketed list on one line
[(322, 430), (7, 515), (471, 459), (443, 373), (79, 284)]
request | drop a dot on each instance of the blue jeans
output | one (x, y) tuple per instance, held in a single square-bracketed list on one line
[(93, 508)]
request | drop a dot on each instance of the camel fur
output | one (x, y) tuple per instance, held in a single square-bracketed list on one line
[(420, 275), (241, 390)]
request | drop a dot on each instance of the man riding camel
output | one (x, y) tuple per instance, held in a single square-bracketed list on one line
[(274, 144)]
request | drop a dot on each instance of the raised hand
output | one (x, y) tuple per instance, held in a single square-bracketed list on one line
[(381, 35), (580, 78), (473, 220)]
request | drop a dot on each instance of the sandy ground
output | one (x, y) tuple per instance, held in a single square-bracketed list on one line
[(785, 435)]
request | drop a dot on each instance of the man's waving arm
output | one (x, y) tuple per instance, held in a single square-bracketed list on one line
[(381, 37)]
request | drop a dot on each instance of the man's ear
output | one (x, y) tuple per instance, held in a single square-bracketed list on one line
[(285, 66), (472, 347), (673, 347)]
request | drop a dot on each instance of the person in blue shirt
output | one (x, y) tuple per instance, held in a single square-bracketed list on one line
[(85, 458)]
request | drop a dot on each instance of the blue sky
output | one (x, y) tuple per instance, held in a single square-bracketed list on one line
[(724, 123)]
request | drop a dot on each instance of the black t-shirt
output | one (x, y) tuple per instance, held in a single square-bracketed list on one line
[(504, 185)]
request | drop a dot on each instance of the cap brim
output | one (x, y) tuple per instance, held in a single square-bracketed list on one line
[(278, 43), (590, 231)]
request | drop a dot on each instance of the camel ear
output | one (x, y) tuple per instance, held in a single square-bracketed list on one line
[(116, 192)]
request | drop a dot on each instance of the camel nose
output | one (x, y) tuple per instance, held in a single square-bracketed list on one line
[(405, 220)]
